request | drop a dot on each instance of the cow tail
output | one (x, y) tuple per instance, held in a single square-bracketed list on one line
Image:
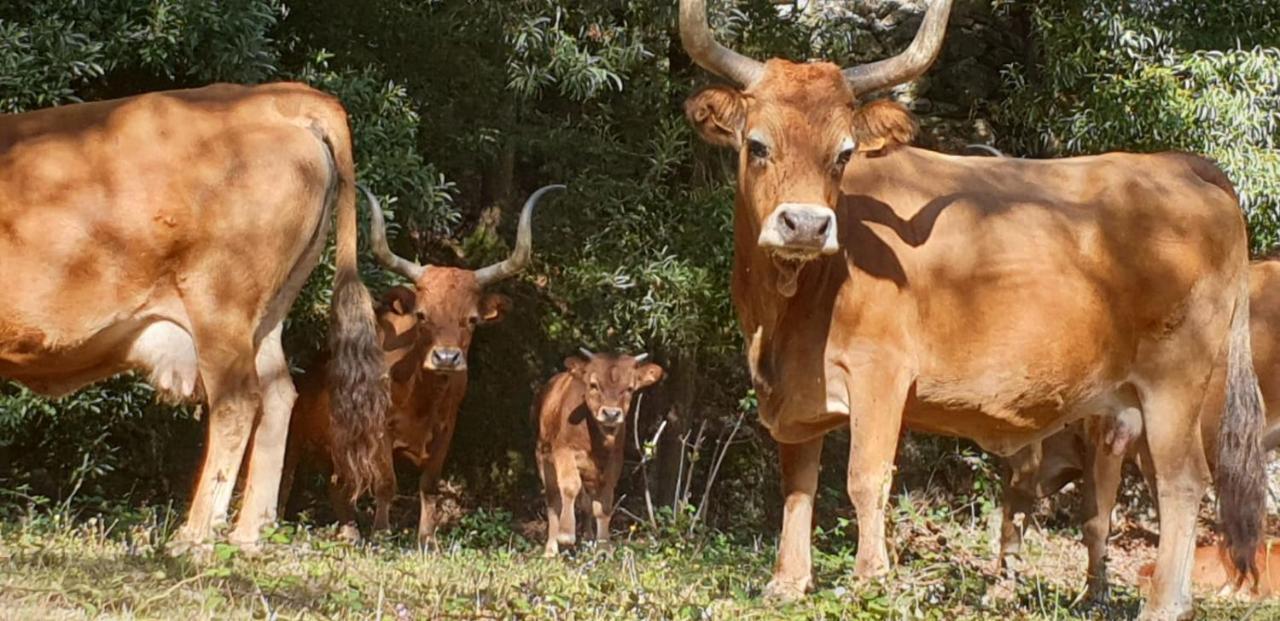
[(1240, 476), (358, 384)]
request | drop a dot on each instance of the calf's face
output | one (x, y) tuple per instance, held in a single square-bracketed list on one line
[(611, 381)]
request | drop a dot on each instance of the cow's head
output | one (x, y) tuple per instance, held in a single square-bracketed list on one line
[(611, 381), (446, 304), (797, 125)]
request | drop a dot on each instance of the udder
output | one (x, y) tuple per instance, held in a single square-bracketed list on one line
[(166, 353)]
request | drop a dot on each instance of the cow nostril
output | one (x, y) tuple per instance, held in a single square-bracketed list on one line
[(826, 224), (788, 221)]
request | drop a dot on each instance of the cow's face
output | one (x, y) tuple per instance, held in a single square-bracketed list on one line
[(441, 313), (611, 381), (795, 130)]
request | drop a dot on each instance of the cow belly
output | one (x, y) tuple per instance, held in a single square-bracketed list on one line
[(167, 353)]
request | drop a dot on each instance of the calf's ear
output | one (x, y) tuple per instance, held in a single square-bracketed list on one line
[(718, 114), (493, 306), (648, 375)]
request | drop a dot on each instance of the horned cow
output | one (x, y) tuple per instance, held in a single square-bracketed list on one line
[(880, 285), (581, 418), (425, 332), (169, 233)]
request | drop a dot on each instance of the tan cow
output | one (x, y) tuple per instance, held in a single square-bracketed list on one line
[(169, 233), (581, 418), (881, 285), (425, 333), (1097, 452), (1213, 572)]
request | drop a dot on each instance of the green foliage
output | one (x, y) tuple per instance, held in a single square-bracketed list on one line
[(1149, 76)]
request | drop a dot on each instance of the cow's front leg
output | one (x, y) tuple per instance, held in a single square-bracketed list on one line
[(793, 573), (875, 424)]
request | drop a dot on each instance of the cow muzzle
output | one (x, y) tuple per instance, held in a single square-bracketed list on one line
[(610, 417), (800, 231), (445, 359)]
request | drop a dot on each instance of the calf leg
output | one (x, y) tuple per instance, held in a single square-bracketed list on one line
[(344, 509), (1019, 500), (270, 436), (429, 484), (570, 484), (1102, 475), (551, 492), (602, 509), (792, 574), (384, 494)]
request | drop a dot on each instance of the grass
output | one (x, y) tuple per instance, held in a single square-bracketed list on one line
[(55, 568)]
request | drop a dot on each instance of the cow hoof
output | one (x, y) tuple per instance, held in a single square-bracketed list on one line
[(870, 569), (349, 533), (184, 544), (428, 543), (566, 540), (551, 551), (786, 589), (1166, 613), (1009, 566)]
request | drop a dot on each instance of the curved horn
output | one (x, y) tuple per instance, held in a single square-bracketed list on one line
[(642, 358), (523, 251), (586, 352), (988, 149), (378, 239), (700, 43), (911, 62)]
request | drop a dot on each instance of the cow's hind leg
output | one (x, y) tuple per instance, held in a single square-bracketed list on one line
[(227, 369), (270, 437), (1177, 453), (551, 491)]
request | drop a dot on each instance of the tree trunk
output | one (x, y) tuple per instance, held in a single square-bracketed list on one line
[(666, 473)]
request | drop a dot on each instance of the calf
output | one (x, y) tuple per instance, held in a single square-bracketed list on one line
[(425, 332), (1097, 449), (581, 418), (1214, 572)]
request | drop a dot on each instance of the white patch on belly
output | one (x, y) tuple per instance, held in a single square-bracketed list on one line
[(168, 354)]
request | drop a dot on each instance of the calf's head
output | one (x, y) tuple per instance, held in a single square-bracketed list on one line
[(796, 126), (611, 381), (438, 316)]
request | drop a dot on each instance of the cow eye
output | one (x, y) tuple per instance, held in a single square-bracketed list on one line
[(757, 149), (843, 157), (594, 385), (473, 320)]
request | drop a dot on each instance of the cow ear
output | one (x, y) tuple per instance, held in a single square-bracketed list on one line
[(718, 114), (575, 365), (882, 124), (400, 300), (648, 375), (493, 307)]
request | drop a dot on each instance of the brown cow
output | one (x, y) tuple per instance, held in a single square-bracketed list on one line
[(1214, 572), (169, 233), (425, 334), (1097, 452), (996, 299), (581, 418)]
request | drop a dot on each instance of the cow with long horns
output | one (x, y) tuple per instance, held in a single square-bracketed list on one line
[(170, 233), (425, 332), (997, 299), (581, 417)]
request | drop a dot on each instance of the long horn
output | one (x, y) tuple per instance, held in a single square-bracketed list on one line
[(586, 352), (378, 239), (523, 251), (909, 64), (700, 43), (642, 358)]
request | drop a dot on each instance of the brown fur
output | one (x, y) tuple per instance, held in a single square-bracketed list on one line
[(997, 299), (184, 273), (1070, 454), (1214, 571), (581, 418), (441, 311)]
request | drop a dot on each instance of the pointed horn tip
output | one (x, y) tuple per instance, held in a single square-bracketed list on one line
[(642, 357), (586, 352)]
